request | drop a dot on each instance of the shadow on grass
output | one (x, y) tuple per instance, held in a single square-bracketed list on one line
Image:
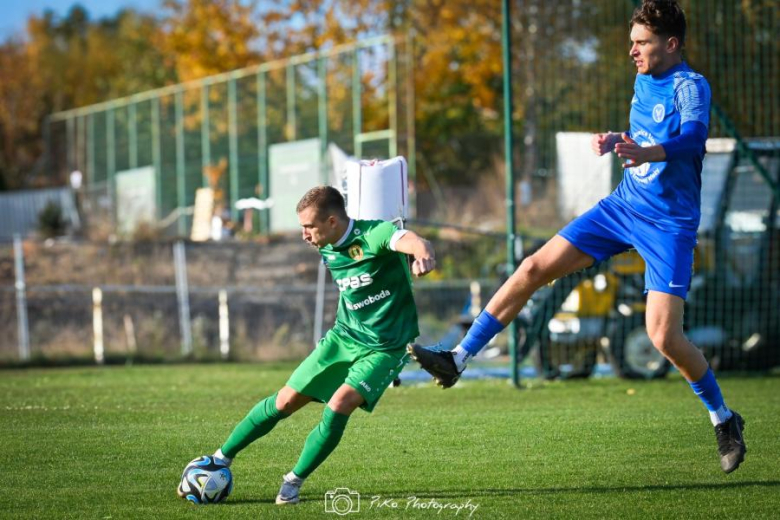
[(244, 501), (472, 493)]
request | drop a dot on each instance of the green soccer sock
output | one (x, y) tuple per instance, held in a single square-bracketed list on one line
[(322, 440), (258, 422)]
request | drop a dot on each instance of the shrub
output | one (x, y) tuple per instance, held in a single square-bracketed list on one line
[(51, 222)]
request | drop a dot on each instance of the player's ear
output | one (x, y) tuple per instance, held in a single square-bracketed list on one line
[(672, 44)]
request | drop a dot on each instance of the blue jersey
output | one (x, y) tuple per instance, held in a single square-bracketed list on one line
[(667, 193)]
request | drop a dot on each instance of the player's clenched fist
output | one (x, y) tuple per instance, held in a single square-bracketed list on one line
[(423, 266), (604, 143), (420, 249)]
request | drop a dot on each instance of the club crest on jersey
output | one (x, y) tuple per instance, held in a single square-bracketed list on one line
[(658, 113), (355, 252)]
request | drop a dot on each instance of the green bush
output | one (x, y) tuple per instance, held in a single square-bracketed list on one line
[(51, 222)]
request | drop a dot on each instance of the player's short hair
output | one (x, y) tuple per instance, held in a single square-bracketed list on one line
[(326, 200), (662, 17)]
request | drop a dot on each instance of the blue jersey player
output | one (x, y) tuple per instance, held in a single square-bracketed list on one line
[(655, 209)]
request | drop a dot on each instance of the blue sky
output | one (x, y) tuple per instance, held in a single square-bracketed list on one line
[(15, 12)]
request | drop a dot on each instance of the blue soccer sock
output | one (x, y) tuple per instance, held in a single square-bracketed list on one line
[(709, 392), (481, 332)]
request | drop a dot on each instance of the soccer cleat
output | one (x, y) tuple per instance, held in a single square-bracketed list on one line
[(731, 445), (439, 363), (289, 493)]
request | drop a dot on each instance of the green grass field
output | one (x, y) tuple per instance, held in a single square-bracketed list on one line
[(111, 443)]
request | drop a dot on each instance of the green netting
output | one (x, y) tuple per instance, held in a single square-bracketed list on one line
[(228, 122)]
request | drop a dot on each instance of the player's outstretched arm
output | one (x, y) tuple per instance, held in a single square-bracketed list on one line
[(422, 251)]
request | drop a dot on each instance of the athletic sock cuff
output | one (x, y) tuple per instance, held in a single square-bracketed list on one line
[(708, 391), (334, 420), (270, 408), (481, 332)]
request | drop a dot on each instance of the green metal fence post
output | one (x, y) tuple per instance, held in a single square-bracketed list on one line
[(205, 132), (233, 149), (357, 114), (262, 149), (291, 119), (392, 105), (506, 44), (322, 115), (156, 154), (80, 141), (81, 155), (411, 145), (181, 184), (47, 151), (111, 160), (132, 133), (90, 173), (70, 143)]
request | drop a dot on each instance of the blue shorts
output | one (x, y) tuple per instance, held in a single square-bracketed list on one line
[(608, 229)]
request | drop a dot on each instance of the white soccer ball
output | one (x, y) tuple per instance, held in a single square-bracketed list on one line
[(205, 480)]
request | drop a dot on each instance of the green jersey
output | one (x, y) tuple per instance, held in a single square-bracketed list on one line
[(376, 306)]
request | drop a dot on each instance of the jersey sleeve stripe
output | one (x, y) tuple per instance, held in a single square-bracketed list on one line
[(396, 237), (692, 100)]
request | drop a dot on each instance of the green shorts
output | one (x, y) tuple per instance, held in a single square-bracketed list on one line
[(340, 361)]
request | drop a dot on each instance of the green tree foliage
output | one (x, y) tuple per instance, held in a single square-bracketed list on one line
[(21, 108), (735, 45), (51, 222), (456, 62), (69, 62), (204, 37), (571, 70), (72, 61)]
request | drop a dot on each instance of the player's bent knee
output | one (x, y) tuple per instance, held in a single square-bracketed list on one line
[(289, 401), (667, 343), (532, 271), (345, 401), (285, 406), (662, 345), (529, 268)]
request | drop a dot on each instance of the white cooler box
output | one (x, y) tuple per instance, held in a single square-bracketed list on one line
[(377, 190)]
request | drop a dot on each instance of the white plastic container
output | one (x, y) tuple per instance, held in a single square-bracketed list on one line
[(377, 190)]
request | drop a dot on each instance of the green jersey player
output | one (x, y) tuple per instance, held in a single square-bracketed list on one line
[(364, 351)]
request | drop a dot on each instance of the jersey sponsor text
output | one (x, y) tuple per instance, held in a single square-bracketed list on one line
[(368, 301), (354, 282)]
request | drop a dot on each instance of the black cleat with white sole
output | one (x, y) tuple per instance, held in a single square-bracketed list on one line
[(731, 444), (439, 363)]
